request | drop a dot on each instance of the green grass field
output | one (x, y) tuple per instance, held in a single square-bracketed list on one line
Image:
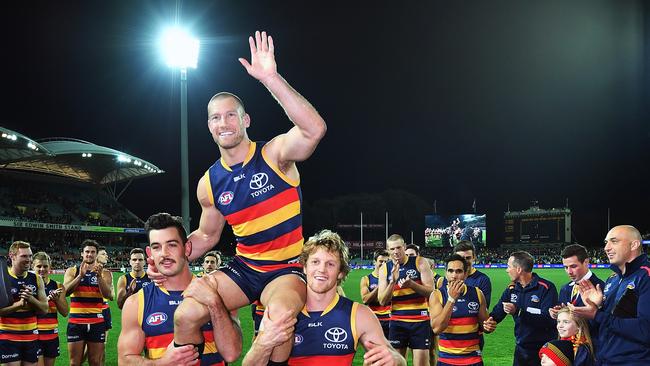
[(498, 349)]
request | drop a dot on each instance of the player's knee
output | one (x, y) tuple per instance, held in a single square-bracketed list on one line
[(279, 308), (95, 360), (190, 313)]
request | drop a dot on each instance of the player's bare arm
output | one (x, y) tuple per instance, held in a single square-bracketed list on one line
[(122, 291), (367, 296), (39, 302), (276, 332), (211, 223), (58, 296), (440, 315), (72, 278), (483, 315), (385, 292), (229, 337), (301, 140), (371, 336), (106, 282), (130, 343), (426, 275), (17, 305)]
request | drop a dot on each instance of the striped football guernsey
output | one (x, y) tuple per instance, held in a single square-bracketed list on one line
[(20, 325), (263, 206), (408, 305), (458, 344), (48, 323), (140, 281), (86, 302), (382, 311), (328, 337), (156, 308)]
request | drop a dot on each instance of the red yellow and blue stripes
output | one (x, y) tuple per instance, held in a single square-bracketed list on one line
[(408, 305), (459, 343), (87, 302), (263, 207), (20, 325), (48, 323)]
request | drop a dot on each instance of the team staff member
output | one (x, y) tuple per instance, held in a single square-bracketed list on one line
[(369, 286), (130, 283), (255, 187), (330, 326), (48, 323), (211, 262), (87, 285), (147, 319), (458, 311), (623, 315), (18, 325), (408, 283), (527, 299)]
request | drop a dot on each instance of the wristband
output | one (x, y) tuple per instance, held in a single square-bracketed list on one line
[(451, 299)]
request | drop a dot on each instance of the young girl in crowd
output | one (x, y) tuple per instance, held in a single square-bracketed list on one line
[(576, 330)]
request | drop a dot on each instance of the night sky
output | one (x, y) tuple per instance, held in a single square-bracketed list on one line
[(502, 101)]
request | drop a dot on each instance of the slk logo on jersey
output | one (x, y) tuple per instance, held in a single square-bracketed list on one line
[(336, 335), (473, 306), (258, 181), (239, 177), (226, 197), (156, 318)]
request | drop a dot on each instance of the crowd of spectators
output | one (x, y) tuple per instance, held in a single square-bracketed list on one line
[(492, 255), (61, 204)]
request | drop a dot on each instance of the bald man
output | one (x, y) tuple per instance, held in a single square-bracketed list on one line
[(621, 310)]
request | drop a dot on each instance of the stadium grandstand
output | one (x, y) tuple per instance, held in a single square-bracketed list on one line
[(55, 192)]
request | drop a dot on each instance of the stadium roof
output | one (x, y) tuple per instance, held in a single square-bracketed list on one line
[(71, 158)]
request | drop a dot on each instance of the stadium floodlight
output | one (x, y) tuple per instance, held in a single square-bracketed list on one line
[(180, 50)]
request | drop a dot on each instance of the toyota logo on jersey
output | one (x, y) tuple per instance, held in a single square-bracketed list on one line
[(336, 335)]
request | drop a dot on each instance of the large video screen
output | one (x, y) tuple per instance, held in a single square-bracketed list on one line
[(447, 230)]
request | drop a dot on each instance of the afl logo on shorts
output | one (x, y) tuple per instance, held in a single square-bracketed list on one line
[(156, 318), (225, 198)]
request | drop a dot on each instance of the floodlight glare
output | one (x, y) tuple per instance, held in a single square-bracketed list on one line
[(179, 49)]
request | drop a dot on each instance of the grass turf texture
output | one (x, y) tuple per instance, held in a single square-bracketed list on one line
[(499, 346)]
